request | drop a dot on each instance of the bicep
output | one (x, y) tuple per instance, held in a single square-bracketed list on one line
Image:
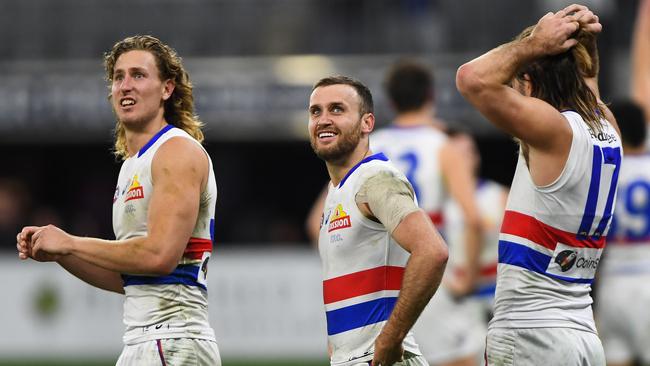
[(416, 231), (179, 173), (529, 119)]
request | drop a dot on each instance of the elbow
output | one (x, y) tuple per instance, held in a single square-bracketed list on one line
[(162, 265), (440, 253), (468, 81)]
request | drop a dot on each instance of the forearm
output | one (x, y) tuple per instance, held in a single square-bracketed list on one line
[(92, 274), (422, 277), (496, 68), (472, 251), (132, 256), (641, 56)]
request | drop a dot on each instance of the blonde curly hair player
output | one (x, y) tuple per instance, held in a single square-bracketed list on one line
[(179, 108)]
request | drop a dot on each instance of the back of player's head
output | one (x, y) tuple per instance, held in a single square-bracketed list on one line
[(631, 121), (179, 108), (366, 106), (560, 81), (409, 85)]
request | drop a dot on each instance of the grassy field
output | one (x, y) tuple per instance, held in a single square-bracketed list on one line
[(112, 363)]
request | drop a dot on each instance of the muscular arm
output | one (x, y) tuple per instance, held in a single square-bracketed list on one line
[(640, 82), (179, 172), (461, 184), (412, 229), (92, 274), (485, 83), (422, 276)]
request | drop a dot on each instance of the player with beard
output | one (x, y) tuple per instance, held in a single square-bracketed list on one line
[(382, 257)]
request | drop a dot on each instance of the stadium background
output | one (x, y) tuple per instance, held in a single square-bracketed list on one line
[(252, 63)]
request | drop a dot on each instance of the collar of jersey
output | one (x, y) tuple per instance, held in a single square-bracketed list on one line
[(378, 156), (154, 139)]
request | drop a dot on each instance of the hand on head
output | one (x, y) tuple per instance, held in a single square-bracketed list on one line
[(555, 32)]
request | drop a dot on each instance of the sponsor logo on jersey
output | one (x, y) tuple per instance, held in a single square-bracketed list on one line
[(116, 194), (136, 191), (603, 136), (339, 219), (566, 259), (572, 262)]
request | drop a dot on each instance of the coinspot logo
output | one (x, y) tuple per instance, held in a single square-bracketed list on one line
[(566, 259)]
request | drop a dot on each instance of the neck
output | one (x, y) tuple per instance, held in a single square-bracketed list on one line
[(421, 117), (137, 138), (339, 169)]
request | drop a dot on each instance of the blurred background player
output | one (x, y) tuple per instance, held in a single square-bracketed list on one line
[(623, 286), (382, 258), (438, 171), (491, 202), (640, 78), (163, 213), (542, 89)]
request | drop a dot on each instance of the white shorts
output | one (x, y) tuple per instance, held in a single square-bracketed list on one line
[(543, 347), (171, 352), (409, 360), (623, 317), (449, 330)]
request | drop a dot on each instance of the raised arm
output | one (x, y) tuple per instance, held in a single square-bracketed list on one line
[(179, 172), (486, 82), (640, 81)]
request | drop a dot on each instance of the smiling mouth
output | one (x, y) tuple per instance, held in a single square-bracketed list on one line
[(127, 102), (324, 135)]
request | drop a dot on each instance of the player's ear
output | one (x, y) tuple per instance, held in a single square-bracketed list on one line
[(367, 122), (168, 88)]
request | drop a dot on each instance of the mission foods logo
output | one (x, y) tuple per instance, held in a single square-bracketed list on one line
[(339, 219), (135, 191)]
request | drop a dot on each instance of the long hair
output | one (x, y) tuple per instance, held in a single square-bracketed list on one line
[(559, 81), (179, 107)]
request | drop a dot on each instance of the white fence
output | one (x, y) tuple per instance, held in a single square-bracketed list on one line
[(263, 303)]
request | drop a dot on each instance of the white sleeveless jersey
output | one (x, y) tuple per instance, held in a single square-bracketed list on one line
[(628, 250), (416, 152), (362, 269), (490, 204), (175, 305), (552, 237)]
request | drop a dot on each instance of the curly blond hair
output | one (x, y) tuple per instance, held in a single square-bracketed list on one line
[(179, 108)]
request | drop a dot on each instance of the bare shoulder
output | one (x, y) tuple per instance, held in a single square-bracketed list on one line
[(180, 155)]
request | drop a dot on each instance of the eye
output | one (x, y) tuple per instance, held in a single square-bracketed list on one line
[(118, 77), (314, 112), (337, 109), (138, 75)]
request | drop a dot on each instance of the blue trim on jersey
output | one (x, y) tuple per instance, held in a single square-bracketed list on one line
[(378, 156), (212, 230), (485, 290), (592, 197), (183, 275), (359, 315), (154, 139), (612, 156), (532, 260)]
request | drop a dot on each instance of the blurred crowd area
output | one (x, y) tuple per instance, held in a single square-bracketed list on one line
[(56, 169)]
